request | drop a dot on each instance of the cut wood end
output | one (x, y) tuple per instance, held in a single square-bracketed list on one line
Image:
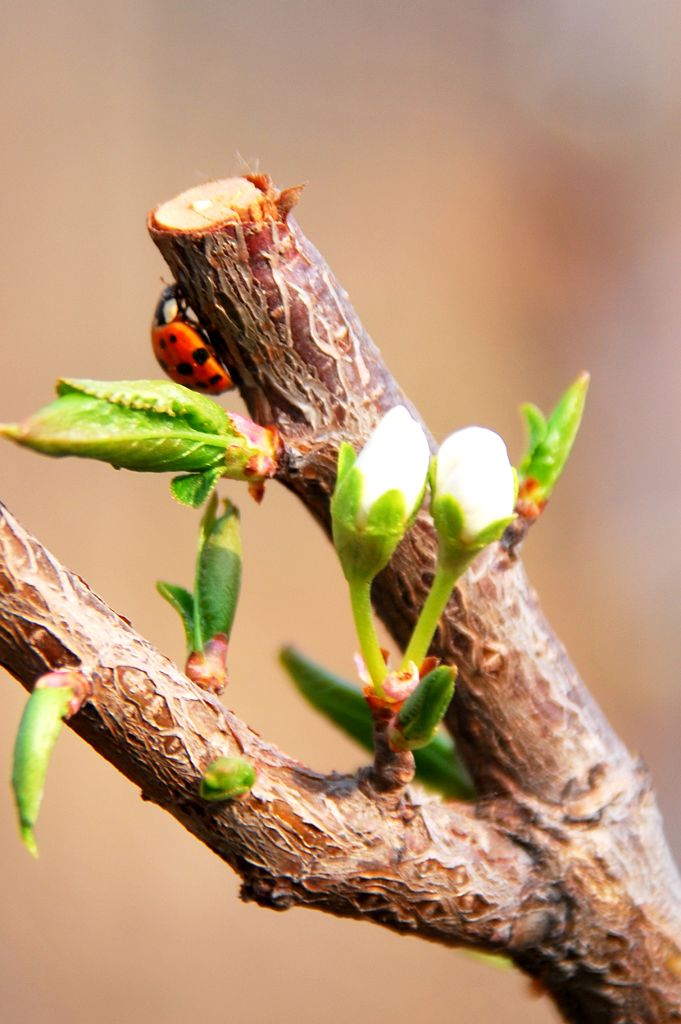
[(250, 199)]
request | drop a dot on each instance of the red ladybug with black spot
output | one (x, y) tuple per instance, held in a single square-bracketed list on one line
[(183, 347)]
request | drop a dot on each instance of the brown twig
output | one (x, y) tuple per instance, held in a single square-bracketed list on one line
[(298, 837)]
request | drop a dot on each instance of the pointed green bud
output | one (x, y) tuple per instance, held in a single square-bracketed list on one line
[(422, 712), (549, 444), (208, 613), (218, 573), (226, 778), (378, 493), (344, 704), (55, 696), (473, 494), (152, 427)]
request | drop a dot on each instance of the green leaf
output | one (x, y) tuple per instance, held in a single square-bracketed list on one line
[(535, 424), (218, 573), (340, 701), (39, 728), (424, 709), (156, 396), (226, 778), (89, 427), (194, 489), (343, 703), (183, 602), (545, 460)]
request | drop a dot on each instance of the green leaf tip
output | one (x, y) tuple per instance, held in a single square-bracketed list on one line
[(40, 725), (423, 711), (28, 839), (344, 704), (226, 779), (549, 443)]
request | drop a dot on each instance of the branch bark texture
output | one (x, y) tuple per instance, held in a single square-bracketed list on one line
[(561, 863)]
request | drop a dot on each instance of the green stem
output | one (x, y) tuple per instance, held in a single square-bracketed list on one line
[(435, 604), (360, 598)]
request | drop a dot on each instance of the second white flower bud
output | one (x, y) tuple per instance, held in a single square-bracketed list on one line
[(474, 475)]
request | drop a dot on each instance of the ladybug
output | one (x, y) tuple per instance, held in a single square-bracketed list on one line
[(183, 347)]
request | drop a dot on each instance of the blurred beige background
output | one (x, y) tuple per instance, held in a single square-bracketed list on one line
[(497, 185)]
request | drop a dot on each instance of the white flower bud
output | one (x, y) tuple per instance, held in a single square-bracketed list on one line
[(396, 457), (473, 468)]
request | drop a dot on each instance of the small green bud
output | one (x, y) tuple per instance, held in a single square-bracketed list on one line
[(549, 444), (226, 778), (423, 711), (344, 704)]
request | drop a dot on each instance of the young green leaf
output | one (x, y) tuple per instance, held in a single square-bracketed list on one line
[(183, 602), (39, 728), (226, 778), (194, 489), (152, 427), (155, 396), (423, 711), (218, 573), (437, 764), (140, 440), (549, 445)]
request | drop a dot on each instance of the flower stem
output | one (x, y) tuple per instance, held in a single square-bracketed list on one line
[(435, 604), (360, 598)]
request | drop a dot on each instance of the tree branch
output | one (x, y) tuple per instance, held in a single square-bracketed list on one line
[(540, 749), (561, 864), (298, 837)]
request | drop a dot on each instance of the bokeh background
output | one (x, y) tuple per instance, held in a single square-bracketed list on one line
[(497, 185)]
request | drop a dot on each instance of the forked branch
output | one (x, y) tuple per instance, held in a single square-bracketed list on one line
[(562, 862)]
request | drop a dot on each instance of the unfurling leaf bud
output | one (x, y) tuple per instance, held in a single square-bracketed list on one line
[(549, 444), (378, 493), (422, 712), (208, 613), (226, 778), (474, 489)]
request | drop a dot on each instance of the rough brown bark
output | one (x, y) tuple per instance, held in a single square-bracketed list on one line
[(561, 863), (542, 754)]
